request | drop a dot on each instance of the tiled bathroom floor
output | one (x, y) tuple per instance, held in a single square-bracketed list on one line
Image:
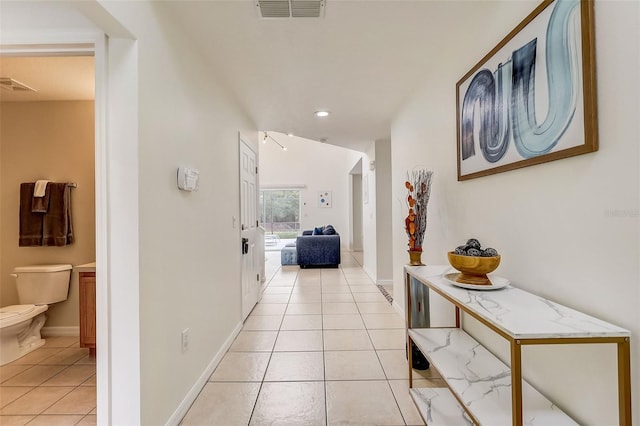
[(323, 346), (53, 385)]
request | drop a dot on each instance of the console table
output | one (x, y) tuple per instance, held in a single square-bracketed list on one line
[(481, 389)]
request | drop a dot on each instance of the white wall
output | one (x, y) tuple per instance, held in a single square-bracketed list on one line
[(369, 229), (188, 276), (318, 167), (567, 230), (384, 223), (377, 248)]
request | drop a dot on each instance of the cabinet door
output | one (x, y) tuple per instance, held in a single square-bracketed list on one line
[(87, 286)]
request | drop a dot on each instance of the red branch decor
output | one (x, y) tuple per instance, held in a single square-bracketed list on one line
[(418, 190)]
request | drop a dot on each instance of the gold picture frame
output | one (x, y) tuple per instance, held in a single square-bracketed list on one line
[(503, 122)]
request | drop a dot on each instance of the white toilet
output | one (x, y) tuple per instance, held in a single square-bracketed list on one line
[(38, 286)]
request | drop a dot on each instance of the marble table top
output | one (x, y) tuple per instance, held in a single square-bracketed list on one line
[(518, 313)]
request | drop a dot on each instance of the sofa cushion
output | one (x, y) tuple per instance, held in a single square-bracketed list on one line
[(329, 230), (318, 231)]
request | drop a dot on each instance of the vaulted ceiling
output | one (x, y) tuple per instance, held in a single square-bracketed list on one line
[(361, 61)]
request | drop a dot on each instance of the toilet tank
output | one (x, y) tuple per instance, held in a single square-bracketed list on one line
[(42, 284)]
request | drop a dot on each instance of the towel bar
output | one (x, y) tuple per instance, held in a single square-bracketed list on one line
[(72, 184)]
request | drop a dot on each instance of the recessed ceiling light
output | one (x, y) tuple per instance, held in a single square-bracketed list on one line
[(290, 135), (322, 113)]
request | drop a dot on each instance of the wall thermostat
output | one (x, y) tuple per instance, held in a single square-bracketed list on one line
[(187, 179)]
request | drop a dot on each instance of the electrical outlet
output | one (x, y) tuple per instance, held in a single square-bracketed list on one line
[(185, 340)]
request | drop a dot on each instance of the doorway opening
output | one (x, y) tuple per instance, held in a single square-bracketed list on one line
[(48, 122), (356, 237)]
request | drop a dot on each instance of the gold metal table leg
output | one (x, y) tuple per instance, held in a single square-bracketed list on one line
[(410, 358), (409, 341), (624, 382), (516, 383)]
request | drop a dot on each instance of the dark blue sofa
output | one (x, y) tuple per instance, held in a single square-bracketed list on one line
[(318, 250)]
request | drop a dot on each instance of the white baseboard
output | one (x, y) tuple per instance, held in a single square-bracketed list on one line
[(398, 308), (369, 273), (191, 396), (385, 282), (60, 331)]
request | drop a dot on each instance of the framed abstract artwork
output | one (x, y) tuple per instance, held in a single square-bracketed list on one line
[(532, 99), (324, 199)]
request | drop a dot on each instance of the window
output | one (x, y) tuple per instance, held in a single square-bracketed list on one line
[(280, 212)]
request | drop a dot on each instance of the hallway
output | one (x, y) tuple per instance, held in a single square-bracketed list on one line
[(323, 346)]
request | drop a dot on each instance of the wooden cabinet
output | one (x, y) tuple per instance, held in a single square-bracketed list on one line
[(481, 389), (87, 286)]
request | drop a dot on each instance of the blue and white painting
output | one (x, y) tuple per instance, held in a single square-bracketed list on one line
[(526, 100), (324, 199)]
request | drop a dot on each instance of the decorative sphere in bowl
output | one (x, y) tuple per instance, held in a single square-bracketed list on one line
[(474, 269)]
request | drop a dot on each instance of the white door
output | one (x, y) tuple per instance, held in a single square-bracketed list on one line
[(249, 227)]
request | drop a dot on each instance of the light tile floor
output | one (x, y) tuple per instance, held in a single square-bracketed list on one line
[(53, 385), (323, 346)]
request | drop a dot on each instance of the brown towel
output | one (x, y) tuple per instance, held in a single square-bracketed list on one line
[(41, 204), (57, 228), (31, 224)]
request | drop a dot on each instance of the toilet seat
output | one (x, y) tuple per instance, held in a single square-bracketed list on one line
[(10, 315)]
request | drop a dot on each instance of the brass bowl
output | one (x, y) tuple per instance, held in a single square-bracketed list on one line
[(474, 269)]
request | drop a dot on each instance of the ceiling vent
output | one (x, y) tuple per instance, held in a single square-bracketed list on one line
[(291, 8), (14, 86)]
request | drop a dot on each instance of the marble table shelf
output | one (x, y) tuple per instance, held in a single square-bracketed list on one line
[(480, 380), (491, 392), (438, 407)]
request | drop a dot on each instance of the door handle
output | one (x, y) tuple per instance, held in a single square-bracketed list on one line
[(245, 245)]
